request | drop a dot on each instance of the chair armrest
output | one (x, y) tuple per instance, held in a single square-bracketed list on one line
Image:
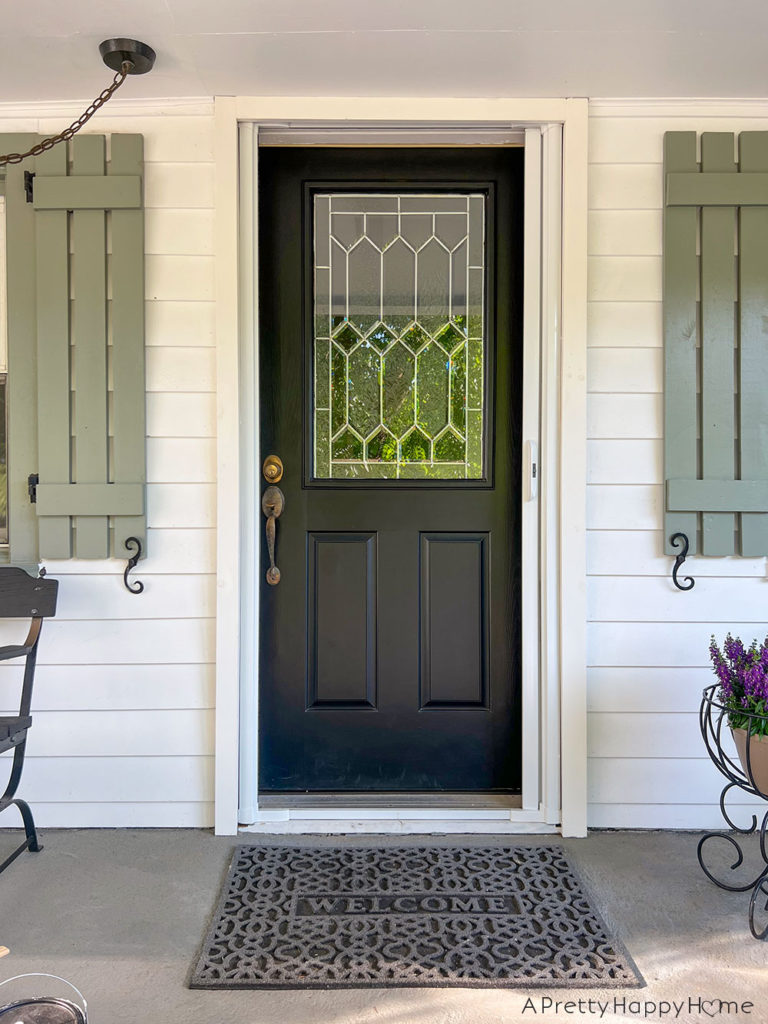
[(22, 650), (14, 651)]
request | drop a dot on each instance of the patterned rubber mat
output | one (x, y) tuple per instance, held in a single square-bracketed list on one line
[(292, 917)]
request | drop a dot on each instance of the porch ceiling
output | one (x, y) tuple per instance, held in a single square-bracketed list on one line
[(391, 47)]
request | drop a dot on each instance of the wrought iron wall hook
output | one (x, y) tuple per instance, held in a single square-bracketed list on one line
[(676, 540), (137, 587)]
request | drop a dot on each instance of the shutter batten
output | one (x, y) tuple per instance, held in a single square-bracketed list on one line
[(90, 500), (716, 188), (91, 192)]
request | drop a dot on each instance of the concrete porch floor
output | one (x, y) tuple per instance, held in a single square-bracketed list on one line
[(121, 913)]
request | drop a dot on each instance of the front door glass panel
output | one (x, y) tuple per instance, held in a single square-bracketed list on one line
[(399, 338)]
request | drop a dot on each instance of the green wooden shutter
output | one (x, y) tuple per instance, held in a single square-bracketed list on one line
[(716, 342), (76, 349), (22, 346)]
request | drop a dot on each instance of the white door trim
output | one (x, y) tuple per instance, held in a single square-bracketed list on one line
[(561, 529)]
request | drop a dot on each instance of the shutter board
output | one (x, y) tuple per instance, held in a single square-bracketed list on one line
[(22, 343), (53, 355), (76, 349), (718, 330), (753, 339), (128, 372), (717, 486), (89, 346), (680, 337)]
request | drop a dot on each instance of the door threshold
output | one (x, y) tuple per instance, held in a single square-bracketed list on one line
[(460, 801)]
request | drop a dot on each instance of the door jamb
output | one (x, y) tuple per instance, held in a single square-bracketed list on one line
[(562, 302)]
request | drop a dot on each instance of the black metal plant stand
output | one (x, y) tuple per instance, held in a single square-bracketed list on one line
[(713, 718)]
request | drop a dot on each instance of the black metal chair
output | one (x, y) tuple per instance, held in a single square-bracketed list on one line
[(22, 596)]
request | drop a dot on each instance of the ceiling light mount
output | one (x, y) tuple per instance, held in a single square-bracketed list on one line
[(116, 52), (124, 57)]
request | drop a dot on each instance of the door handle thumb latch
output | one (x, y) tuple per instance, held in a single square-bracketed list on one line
[(272, 505)]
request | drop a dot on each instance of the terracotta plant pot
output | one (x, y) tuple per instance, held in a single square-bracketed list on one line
[(758, 758)]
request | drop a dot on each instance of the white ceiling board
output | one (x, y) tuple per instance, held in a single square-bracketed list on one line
[(69, 19), (49, 48), (481, 64)]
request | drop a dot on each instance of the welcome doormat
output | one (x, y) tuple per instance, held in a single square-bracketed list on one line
[(292, 917)]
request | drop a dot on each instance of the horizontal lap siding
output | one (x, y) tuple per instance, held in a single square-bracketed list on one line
[(647, 642), (123, 708)]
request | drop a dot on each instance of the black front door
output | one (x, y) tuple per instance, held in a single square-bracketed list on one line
[(391, 389)]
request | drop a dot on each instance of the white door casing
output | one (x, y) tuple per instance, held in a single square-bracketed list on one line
[(554, 698)]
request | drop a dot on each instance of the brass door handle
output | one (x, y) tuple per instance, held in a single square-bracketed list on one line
[(272, 505)]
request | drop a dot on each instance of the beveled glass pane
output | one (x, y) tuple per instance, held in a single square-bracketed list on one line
[(459, 282), (399, 382), (433, 285), (322, 302), (398, 268), (381, 337), (356, 202), (426, 203), (476, 240), (364, 284), (338, 390), (381, 228), (338, 264), (322, 215), (432, 390), (347, 447), (382, 447), (475, 317), (416, 229), (399, 341), (459, 389), (347, 228), (364, 389), (451, 229), (449, 448), (416, 447)]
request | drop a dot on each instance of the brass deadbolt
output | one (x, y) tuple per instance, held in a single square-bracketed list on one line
[(272, 469)]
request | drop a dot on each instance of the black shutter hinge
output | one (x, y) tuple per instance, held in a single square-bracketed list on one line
[(28, 186), (32, 481)]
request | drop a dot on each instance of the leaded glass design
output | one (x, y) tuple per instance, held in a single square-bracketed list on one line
[(399, 335)]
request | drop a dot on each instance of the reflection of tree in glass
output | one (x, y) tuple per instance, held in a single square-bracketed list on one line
[(416, 447), (422, 427), (382, 448)]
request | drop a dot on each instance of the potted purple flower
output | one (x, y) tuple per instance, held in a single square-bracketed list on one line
[(743, 676)]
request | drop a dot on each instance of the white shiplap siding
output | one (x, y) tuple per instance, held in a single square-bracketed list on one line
[(124, 696), (647, 642)]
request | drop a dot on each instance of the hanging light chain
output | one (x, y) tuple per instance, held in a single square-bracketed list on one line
[(101, 99)]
